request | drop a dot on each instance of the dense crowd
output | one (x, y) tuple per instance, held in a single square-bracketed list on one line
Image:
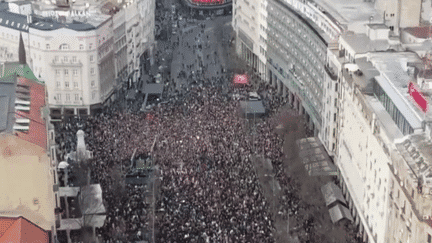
[(209, 190), (213, 191)]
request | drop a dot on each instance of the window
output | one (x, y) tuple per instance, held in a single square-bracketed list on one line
[(93, 95), (92, 71), (334, 117), (75, 72), (67, 84), (391, 28), (47, 46), (67, 97), (56, 58), (57, 71), (64, 47), (81, 47), (75, 84), (66, 72), (74, 59), (91, 58), (58, 97), (90, 46), (93, 84), (58, 84), (76, 97), (429, 240), (65, 59)]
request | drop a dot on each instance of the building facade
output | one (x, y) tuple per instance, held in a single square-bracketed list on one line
[(101, 51)]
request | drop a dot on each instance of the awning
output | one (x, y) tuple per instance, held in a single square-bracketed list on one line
[(339, 212), (92, 202), (68, 191), (332, 194), (252, 108), (153, 88), (315, 158)]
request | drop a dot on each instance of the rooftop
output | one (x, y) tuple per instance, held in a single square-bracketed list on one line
[(28, 99), (394, 80), (377, 26), (353, 14), (13, 21), (27, 185), (361, 43), (417, 153), (363, 80), (420, 32), (21, 230)]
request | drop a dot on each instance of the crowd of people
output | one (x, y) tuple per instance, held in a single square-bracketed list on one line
[(215, 191), (209, 191)]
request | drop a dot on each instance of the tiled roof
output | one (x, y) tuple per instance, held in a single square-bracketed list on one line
[(21, 230), (420, 32), (13, 21)]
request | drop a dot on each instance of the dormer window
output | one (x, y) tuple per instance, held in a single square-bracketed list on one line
[(64, 47)]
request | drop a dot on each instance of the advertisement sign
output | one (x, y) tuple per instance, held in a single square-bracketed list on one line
[(418, 97)]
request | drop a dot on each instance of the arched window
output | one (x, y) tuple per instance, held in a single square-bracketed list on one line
[(64, 47)]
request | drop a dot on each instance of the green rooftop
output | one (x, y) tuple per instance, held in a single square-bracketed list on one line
[(11, 68)]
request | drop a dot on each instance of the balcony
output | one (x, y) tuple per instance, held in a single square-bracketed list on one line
[(330, 72), (66, 64)]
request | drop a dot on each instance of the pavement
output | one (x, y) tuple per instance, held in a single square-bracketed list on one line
[(210, 41), (272, 193)]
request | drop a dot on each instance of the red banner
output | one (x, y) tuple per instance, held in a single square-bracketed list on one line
[(417, 97)]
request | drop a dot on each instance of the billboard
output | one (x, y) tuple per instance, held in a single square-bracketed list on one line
[(418, 97)]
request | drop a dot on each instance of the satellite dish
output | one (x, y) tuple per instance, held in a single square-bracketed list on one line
[(63, 165)]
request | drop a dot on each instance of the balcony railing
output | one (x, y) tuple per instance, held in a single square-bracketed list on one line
[(330, 72)]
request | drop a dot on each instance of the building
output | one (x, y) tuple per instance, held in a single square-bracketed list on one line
[(218, 7), (399, 14), (21, 230), (348, 66), (375, 108), (82, 71), (249, 24), (28, 173)]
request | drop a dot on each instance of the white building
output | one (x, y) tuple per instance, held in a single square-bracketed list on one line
[(81, 53), (250, 24)]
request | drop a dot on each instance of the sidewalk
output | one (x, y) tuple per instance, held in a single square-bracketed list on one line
[(272, 193)]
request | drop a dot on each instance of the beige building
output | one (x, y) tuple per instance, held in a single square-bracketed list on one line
[(27, 182), (400, 14)]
